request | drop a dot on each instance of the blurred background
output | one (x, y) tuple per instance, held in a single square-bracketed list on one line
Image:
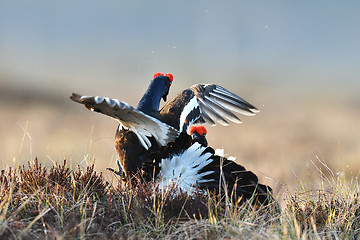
[(297, 61)]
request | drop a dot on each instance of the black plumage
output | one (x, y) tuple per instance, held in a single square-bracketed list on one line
[(144, 129), (219, 175)]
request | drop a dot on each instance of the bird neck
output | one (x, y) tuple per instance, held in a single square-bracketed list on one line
[(150, 102)]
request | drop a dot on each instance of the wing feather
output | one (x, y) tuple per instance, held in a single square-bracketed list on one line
[(205, 107), (205, 103), (235, 97), (217, 103), (221, 109), (142, 125), (231, 104)]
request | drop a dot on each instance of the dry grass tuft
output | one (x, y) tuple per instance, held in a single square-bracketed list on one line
[(61, 203), (329, 214)]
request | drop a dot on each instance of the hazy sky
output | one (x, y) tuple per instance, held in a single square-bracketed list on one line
[(64, 43)]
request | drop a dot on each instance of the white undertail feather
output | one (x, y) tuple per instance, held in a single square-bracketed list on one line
[(183, 169)]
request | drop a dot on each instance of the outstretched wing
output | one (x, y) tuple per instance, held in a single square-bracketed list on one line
[(142, 125), (205, 103)]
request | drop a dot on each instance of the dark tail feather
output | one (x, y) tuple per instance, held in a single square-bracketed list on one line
[(236, 181)]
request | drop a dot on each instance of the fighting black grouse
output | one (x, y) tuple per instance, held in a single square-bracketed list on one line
[(144, 129)]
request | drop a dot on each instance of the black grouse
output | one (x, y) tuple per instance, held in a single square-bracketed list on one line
[(144, 129)]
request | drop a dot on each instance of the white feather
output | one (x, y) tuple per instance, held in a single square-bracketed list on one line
[(183, 169), (192, 104), (141, 124)]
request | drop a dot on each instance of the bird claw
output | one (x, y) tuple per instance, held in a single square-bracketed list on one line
[(120, 172)]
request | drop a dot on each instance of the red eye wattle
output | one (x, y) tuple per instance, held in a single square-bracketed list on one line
[(158, 74), (170, 76), (197, 128)]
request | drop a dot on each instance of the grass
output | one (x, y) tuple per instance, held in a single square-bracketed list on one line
[(63, 203)]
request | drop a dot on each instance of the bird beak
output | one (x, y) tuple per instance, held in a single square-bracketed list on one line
[(204, 140), (165, 96)]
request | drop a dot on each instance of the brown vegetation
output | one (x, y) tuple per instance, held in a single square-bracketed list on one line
[(65, 203)]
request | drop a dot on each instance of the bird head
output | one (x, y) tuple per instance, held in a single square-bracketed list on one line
[(158, 88), (198, 134), (167, 79)]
